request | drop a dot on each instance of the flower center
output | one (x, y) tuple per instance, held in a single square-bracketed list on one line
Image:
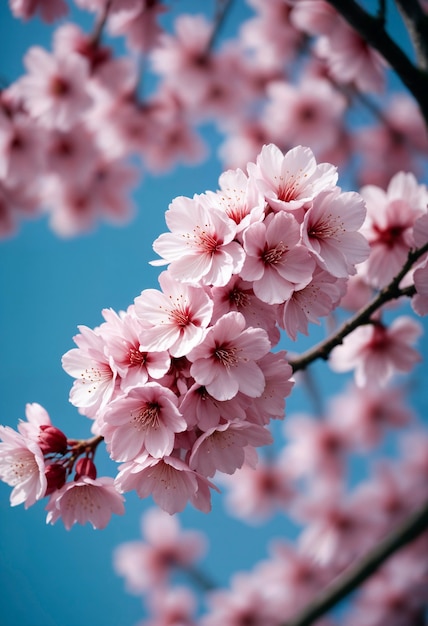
[(147, 416), (205, 241), (59, 87), (226, 356), (136, 357), (239, 298), (272, 256), (180, 317), (289, 190)]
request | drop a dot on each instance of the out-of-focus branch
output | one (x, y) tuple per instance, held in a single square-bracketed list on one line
[(99, 27), (222, 9), (390, 292), (417, 26), (355, 575), (373, 32)]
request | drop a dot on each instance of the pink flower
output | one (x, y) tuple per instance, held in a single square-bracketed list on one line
[(275, 261), (366, 413), (50, 10), (146, 565), (200, 247), (145, 419), (22, 466), (94, 372), (289, 181), (225, 360), (169, 481), (238, 295), (138, 23), (308, 114), (122, 338), (239, 198), (338, 530), (202, 410), (377, 352), (310, 302), (174, 319), (315, 447), (278, 385), (254, 494), (85, 500), (391, 216), (350, 59), (39, 429), (223, 448), (330, 231), (54, 91)]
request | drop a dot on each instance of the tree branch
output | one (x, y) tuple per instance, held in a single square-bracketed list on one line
[(415, 525), (388, 293), (417, 26), (372, 31)]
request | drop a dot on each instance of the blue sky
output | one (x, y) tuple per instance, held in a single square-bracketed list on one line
[(48, 576)]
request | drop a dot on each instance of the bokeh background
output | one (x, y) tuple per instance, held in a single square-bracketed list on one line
[(48, 576)]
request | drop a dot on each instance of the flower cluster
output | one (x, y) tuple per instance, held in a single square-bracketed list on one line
[(37, 460), (77, 114), (182, 386), (184, 383), (308, 482)]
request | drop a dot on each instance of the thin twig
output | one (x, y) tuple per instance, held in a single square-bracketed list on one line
[(390, 292), (410, 529)]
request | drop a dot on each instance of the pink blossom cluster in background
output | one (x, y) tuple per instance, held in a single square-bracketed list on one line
[(83, 113), (336, 527), (182, 386)]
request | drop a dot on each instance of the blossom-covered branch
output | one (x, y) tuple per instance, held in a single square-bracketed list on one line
[(392, 291), (413, 527)]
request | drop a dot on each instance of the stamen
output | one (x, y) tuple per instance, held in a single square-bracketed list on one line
[(147, 416), (226, 356), (274, 255)]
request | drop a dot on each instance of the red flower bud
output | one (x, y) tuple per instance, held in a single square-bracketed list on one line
[(52, 440), (85, 467), (55, 474)]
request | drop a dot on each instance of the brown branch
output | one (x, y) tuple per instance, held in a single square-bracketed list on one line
[(416, 22), (372, 31), (354, 576), (390, 292)]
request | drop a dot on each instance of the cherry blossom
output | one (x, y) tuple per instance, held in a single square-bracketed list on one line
[(376, 352), (275, 261), (330, 231), (54, 90), (175, 318), (223, 448), (22, 466), (391, 215), (85, 500), (289, 181), (225, 361), (95, 373), (169, 480), (122, 336), (144, 419), (200, 247), (147, 564)]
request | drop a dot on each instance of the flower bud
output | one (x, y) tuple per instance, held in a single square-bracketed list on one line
[(52, 440), (85, 467), (55, 475)]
